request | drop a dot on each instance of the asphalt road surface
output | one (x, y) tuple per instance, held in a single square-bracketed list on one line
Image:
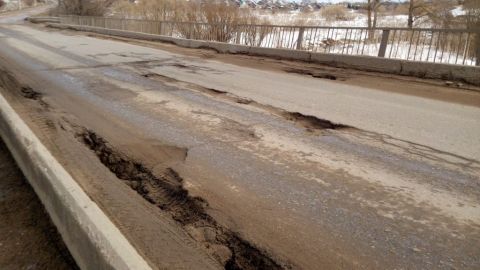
[(368, 171)]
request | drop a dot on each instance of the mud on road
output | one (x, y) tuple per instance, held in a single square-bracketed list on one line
[(167, 192), (233, 179), (164, 189)]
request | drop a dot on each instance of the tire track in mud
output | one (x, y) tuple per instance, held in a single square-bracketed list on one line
[(167, 192)]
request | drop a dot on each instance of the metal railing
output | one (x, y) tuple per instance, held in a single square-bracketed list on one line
[(453, 46)]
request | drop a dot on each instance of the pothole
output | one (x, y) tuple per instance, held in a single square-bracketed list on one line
[(28, 92), (159, 77), (179, 65), (312, 122), (309, 122), (9, 82), (315, 74), (215, 91)]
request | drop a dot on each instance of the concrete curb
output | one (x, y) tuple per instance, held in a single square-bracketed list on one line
[(43, 19), (93, 240), (468, 74)]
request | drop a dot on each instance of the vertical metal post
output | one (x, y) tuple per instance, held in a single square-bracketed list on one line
[(383, 43), (237, 41), (477, 48), (300, 38)]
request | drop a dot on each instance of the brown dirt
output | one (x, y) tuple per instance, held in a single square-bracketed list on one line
[(164, 189), (155, 234), (141, 154), (167, 192), (28, 239)]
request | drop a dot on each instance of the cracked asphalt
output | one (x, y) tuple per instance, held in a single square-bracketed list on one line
[(399, 190)]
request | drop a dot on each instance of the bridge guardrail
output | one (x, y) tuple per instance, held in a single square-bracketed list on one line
[(449, 46)]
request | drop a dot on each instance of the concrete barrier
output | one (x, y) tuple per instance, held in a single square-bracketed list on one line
[(280, 53), (323, 58), (467, 74), (93, 240), (43, 19), (225, 47), (369, 63), (238, 49)]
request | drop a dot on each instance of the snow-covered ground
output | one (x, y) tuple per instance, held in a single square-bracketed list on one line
[(458, 11), (421, 46), (316, 19)]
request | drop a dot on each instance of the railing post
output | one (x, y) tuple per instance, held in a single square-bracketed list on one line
[(237, 41), (190, 26), (477, 48), (384, 43), (300, 38)]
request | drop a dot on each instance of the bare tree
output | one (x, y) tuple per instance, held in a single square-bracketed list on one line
[(472, 8), (437, 13), (376, 5), (369, 13), (418, 9), (335, 13), (372, 8), (84, 7), (472, 13), (29, 2), (410, 13)]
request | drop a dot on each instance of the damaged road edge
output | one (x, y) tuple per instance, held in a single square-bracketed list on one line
[(228, 248), (166, 191), (92, 239)]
